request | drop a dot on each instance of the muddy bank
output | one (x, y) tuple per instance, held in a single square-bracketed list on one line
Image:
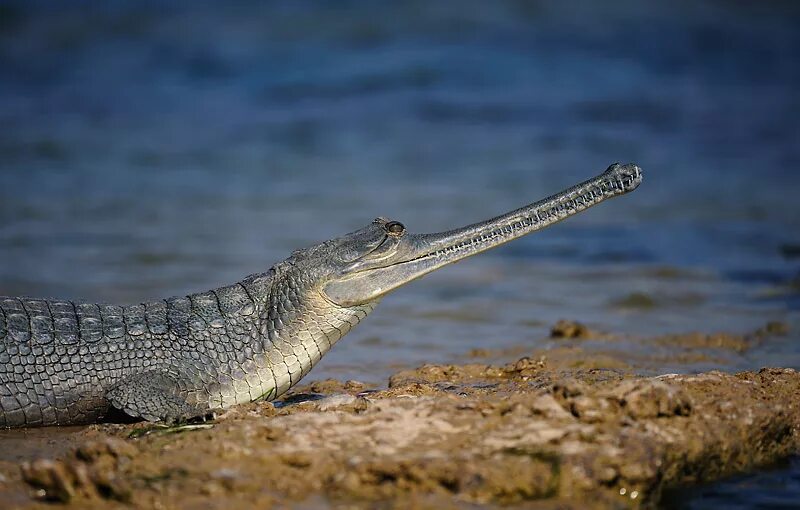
[(536, 432)]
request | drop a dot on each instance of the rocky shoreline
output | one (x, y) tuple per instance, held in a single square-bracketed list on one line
[(564, 427)]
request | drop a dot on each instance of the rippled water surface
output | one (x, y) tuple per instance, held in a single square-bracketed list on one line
[(150, 149), (776, 488)]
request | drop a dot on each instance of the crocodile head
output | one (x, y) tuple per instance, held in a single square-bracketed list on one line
[(364, 265)]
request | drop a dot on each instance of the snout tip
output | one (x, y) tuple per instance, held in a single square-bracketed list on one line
[(628, 175)]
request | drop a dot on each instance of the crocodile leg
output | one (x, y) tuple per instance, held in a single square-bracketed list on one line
[(154, 396)]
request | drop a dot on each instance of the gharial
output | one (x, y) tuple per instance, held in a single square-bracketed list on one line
[(184, 357)]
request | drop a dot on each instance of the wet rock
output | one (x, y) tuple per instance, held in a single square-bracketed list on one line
[(651, 398), (549, 407), (590, 409), (569, 329), (568, 388), (527, 363), (667, 272), (636, 300), (297, 459), (776, 328), (737, 343), (109, 485), (517, 478), (331, 386), (52, 478), (725, 341), (479, 353), (93, 451), (334, 401), (442, 373), (523, 368), (353, 385), (342, 402), (91, 472)]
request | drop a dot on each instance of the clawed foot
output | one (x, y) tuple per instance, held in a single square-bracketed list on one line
[(163, 429), (177, 425)]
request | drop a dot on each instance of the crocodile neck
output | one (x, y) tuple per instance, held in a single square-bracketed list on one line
[(275, 327), (297, 325)]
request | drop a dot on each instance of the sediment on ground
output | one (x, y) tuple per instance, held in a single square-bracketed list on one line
[(536, 432)]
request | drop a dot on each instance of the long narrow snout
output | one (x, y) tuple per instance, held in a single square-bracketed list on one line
[(423, 253)]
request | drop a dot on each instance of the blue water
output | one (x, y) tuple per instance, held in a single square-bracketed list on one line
[(776, 488), (153, 149)]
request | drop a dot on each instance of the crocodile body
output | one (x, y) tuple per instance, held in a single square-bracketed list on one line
[(256, 338), (173, 359)]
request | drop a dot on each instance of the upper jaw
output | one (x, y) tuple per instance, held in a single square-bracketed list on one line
[(417, 255)]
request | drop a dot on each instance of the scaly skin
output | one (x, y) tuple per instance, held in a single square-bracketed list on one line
[(70, 363), (252, 339)]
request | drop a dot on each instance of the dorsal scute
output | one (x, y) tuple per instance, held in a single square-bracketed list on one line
[(205, 305), (234, 300), (113, 323), (178, 311), (135, 323), (90, 322)]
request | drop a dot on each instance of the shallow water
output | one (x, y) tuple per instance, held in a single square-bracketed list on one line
[(153, 151), (775, 488)]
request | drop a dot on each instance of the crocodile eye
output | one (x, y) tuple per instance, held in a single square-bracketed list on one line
[(395, 228)]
